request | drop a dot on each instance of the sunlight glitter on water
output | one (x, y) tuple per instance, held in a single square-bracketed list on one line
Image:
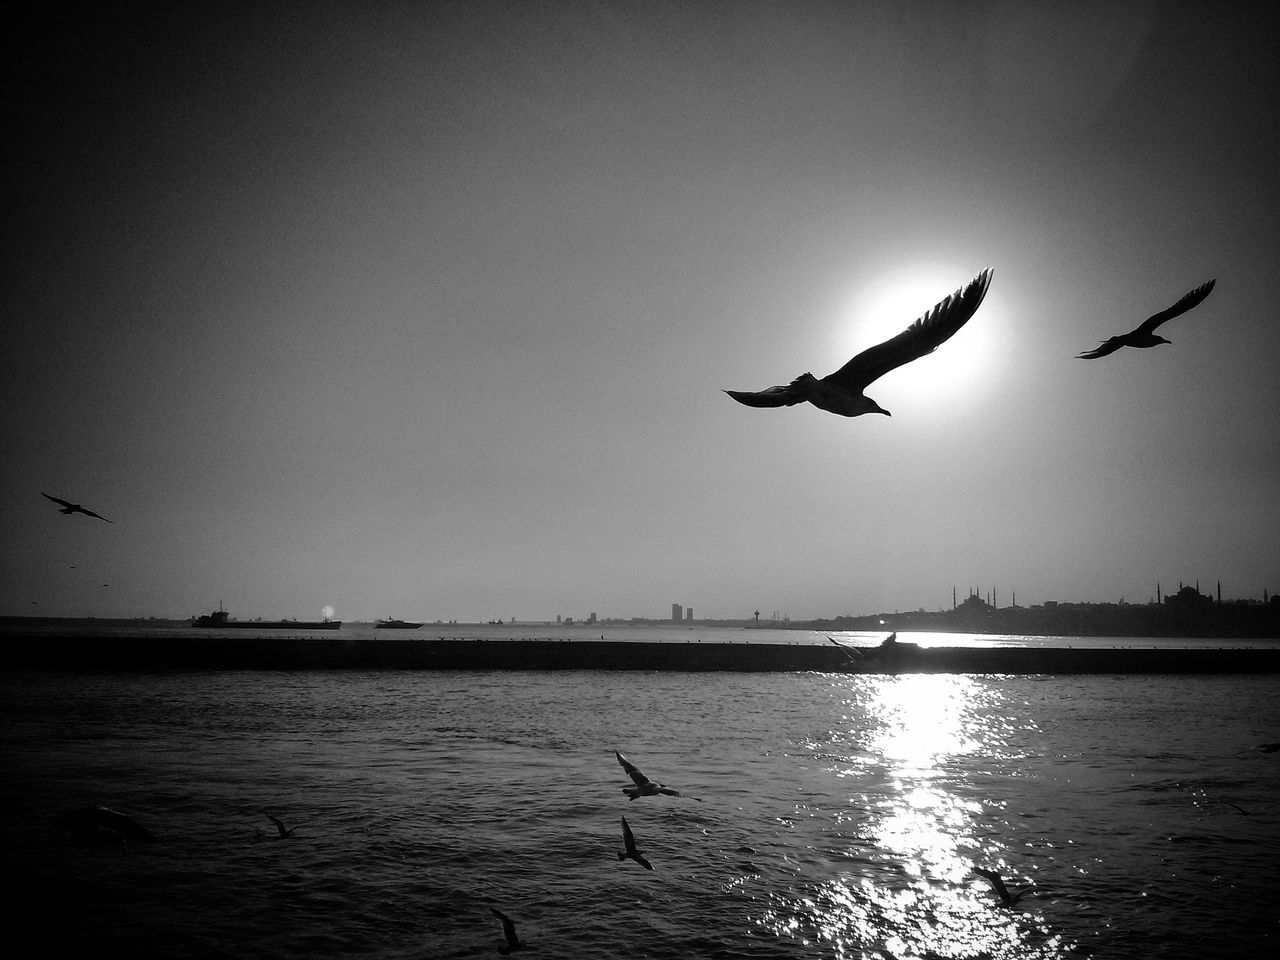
[(915, 894)]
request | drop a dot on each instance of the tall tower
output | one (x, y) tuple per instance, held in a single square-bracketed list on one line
[(677, 613)]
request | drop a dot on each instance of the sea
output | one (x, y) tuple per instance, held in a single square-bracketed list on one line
[(820, 816)]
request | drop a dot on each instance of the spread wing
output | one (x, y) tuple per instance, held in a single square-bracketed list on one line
[(627, 837), (921, 338), (639, 778), (787, 396), (62, 503), (1103, 349), (90, 513), (1182, 306), (508, 927)]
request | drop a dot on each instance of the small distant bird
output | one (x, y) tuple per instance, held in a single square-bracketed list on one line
[(997, 884), (508, 931), (853, 656), (631, 852), (644, 786), (89, 825), (280, 827), (1143, 335), (68, 507), (842, 392)]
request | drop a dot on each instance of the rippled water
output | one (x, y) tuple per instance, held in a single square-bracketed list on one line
[(840, 815)]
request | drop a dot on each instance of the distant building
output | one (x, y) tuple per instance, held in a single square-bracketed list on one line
[(677, 613), (688, 615), (591, 617)]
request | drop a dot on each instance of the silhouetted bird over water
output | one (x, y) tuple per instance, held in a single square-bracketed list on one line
[(842, 392), (644, 787), (997, 884), (68, 507), (90, 825), (631, 852), (508, 931), (1143, 335), (280, 827)]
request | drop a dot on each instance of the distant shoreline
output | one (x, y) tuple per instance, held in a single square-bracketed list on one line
[(1206, 620)]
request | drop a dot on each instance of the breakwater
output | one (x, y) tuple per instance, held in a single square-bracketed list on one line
[(78, 652)]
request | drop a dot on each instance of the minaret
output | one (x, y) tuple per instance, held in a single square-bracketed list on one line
[(1157, 593), (953, 598), (1219, 591)]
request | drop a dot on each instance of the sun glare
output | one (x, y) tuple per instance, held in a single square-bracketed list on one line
[(957, 370)]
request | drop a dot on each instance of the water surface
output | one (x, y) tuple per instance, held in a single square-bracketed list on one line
[(839, 815)]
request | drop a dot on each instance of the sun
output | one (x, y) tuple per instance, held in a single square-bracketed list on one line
[(956, 371)]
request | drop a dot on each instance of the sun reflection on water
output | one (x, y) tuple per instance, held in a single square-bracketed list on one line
[(907, 749)]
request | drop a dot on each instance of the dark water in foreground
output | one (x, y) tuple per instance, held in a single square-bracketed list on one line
[(840, 814)]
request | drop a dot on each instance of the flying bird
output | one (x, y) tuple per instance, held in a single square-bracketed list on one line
[(631, 852), (1143, 335), (508, 931), (88, 826), (280, 827), (853, 656), (842, 392), (68, 507), (997, 884), (644, 786)]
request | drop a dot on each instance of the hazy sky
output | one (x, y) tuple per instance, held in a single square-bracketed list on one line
[(425, 310)]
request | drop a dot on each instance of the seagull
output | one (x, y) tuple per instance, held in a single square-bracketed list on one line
[(1142, 335), (644, 786), (280, 827), (632, 853), (841, 392), (68, 507), (509, 931), (997, 884), (853, 655), (88, 824)]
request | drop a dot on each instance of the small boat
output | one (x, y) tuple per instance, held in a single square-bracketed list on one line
[(392, 624)]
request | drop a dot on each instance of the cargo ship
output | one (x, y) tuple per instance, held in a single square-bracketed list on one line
[(222, 619), (393, 624)]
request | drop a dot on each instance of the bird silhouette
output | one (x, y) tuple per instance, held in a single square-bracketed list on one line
[(508, 931), (842, 392), (88, 826), (631, 852), (280, 827), (1143, 335), (644, 787), (853, 656), (997, 884), (68, 507)]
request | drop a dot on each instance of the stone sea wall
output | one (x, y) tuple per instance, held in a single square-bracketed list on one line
[(273, 653)]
